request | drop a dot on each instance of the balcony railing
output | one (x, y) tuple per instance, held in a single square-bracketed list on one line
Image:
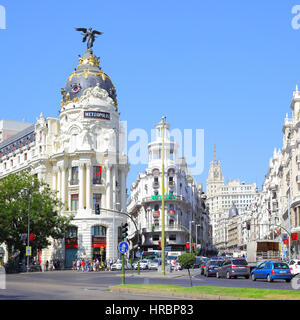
[(97, 181), (74, 182)]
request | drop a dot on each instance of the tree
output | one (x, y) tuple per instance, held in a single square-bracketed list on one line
[(187, 261), (17, 193)]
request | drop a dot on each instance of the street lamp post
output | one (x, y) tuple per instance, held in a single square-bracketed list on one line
[(163, 201), (28, 225), (197, 225), (191, 235)]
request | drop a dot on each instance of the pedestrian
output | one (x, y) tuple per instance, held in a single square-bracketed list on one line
[(82, 265), (97, 265), (51, 265), (47, 265), (78, 265), (108, 265)]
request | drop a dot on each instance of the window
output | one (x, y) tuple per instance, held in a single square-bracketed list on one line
[(172, 237), (71, 232), (155, 237), (156, 207), (25, 157), (97, 175), (96, 199), (156, 180), (74, 176), (171, 223), (99, 231), (74, 202)]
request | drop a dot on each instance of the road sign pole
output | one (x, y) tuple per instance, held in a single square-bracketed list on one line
[(123, 269)]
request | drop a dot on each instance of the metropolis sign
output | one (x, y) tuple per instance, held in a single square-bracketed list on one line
[(97, 115)]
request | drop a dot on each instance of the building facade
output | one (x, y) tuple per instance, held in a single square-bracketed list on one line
[(185, 207), (79, 156), (221, 199)]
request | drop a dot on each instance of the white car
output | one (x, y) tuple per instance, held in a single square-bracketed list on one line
[(294, 267), (118, 266), (144, 264), (154, 264)]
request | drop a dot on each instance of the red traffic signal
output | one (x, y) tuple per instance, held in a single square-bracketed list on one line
[(187, 245), (32, 237), (294, 236), (159, 244)]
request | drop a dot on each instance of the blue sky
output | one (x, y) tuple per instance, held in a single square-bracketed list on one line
[(228, 67)]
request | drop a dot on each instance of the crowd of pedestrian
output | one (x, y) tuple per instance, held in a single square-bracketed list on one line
[(86, 265), (53, 265)]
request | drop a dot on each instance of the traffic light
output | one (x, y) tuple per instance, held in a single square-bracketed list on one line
[(248, 225), (97, 209), (124, 230)]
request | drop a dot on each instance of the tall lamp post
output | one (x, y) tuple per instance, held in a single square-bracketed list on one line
[(197, 225), (28, 225), (163, 201), (191, 222)]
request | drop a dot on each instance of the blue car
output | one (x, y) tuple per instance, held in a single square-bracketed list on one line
[(272, 270)]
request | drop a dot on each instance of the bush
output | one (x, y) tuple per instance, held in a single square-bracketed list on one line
[(187, 261)]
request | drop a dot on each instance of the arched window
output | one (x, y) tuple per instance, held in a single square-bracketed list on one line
[(171, 223)]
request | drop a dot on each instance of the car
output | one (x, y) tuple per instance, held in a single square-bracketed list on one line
[(154, 264), (271, 270), (118, 266), (211, 267), (233, 268), (202, 264), (144, 264), (197, 262), (294, 267)]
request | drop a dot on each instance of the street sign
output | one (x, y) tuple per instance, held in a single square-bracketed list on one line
[(28, 251), (123, 247)]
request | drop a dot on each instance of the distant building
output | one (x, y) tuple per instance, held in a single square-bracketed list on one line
[(221, 197), (9, 128)]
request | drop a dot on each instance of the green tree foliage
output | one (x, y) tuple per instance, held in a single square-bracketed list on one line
[(17, 194), (187, 261)]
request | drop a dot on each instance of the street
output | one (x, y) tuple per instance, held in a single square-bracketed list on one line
[(73, 285)]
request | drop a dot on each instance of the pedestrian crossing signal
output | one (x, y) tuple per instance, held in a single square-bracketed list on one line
[(97, 209)]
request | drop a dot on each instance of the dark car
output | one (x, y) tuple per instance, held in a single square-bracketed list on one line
[(271, 270), (233, 268), (211, 267), (197, 262)]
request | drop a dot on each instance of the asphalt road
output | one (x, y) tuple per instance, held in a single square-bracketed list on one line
[(73, 285)]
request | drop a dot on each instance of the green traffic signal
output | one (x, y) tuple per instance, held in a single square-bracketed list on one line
[(124, 230), (97, 209)]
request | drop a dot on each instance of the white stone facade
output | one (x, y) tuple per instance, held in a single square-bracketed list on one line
[(182, 205), (67, 154)]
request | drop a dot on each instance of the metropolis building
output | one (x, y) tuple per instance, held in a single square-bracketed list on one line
[(79, 156)]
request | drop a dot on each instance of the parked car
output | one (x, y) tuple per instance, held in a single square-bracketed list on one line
[(118, 266), (233, 268), (202, 264), (197, 262), (144, 264), (294, 267), (271, 270), (211, 267), (154, 264)]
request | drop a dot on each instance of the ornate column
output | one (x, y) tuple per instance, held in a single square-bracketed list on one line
[(88, 186), (108, 186), (59, 183), (114, 188), (81, 185), (63, 187), (54, 179), (123, 189)]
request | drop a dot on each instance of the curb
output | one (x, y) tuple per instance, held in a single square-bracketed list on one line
[(190, 296)]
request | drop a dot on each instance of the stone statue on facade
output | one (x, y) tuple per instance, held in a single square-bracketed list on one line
[(89, 35)]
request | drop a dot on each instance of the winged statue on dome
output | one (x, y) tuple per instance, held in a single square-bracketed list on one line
[(89, 35)]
